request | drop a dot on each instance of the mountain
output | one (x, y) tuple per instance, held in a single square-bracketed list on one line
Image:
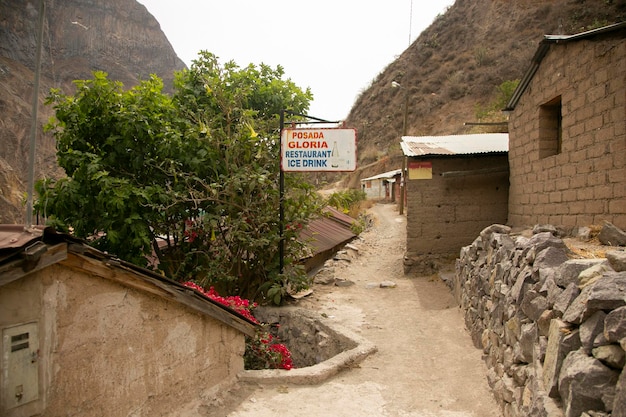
[(451, 74), (119, 37), (455, 72)]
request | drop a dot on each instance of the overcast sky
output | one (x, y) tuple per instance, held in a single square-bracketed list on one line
[(335, 47)]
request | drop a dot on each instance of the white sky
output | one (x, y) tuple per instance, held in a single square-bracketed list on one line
[(335, 47)]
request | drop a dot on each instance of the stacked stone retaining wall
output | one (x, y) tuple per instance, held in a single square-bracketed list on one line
[(551, 324)]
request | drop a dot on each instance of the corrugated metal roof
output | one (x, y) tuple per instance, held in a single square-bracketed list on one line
[(338, 216), (15, 236), (326, 233), (455, 144), (384, 175)]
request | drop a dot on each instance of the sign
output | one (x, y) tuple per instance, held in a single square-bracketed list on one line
[(420, 170), (318, 150)]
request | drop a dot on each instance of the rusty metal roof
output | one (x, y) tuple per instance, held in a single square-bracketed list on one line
[(14, 236), (338, 216), (326, 233), (455, 144), (16, 242)]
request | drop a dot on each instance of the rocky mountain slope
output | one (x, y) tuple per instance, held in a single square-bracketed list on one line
[(119, 37), (449, 76), (452, 72)]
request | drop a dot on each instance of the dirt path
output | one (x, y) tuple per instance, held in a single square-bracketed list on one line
[(426, 365)]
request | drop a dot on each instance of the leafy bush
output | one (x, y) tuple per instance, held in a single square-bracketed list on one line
[(503, 94), (191, 180), (346, 200)]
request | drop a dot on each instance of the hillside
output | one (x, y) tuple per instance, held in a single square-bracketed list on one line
[(450, 74), (119, 37), (452, 71)]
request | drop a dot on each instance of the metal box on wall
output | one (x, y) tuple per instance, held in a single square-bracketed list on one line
[(20, 365)]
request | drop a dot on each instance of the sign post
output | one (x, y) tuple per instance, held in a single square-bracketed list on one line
[(311, 150), (318, 150)]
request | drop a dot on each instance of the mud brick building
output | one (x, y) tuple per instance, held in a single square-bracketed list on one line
[(567, 131), (84, 333), (455, 186)]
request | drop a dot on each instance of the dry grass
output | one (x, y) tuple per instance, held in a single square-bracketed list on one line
[(589, 249)]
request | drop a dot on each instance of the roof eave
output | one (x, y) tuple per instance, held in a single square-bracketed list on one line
[(541, 52)]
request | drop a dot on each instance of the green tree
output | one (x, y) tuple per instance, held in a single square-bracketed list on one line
[(192, 178), (502, 95)]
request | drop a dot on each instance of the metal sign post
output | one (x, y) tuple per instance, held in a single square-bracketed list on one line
[(318, 150), (311, 150)]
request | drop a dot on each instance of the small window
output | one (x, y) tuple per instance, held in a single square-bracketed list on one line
[(550, 128)]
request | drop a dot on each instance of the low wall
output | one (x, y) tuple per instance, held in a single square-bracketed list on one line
[(552, 325)]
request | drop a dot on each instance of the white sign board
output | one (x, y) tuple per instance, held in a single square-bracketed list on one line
[(316, 150)]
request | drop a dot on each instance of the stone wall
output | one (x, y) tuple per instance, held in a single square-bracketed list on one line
[(552, 325), (582, 180)]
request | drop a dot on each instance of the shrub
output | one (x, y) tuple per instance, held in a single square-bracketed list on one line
[(263, 350)]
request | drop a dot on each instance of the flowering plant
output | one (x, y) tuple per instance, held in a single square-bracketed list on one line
[(242, 306), (262, 351)]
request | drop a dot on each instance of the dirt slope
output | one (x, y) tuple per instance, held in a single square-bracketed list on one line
[(451, 73)]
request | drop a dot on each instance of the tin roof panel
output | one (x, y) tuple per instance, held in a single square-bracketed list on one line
[(455, 144)]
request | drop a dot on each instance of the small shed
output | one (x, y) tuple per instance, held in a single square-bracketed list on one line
[(456, 186), (385, 186), (84, 333)]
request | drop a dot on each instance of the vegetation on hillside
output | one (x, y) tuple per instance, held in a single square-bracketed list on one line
[(190, 180)]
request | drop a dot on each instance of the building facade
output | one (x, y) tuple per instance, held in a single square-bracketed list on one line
[(86, 334), (385, 186), (567, 132), (456, 186)]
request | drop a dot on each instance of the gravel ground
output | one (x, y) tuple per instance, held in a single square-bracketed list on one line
[(426, 365)]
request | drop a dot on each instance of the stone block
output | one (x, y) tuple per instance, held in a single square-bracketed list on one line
[(566, 298), (521, 278), (549, 288), (593, 273), (512, 331), (543, 323), (619, 403), (617, 260), (609, 292), (586, 384), (543, 240), (606, 293), (533, 305), (570, 270), (590, 329), (556, 351), (615, 325), (550, 257), (611, 355), (612, 235), (527, 341)]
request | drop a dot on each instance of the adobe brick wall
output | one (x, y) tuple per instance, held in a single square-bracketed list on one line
[(446, 213), (109, 350), (584, 184)]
